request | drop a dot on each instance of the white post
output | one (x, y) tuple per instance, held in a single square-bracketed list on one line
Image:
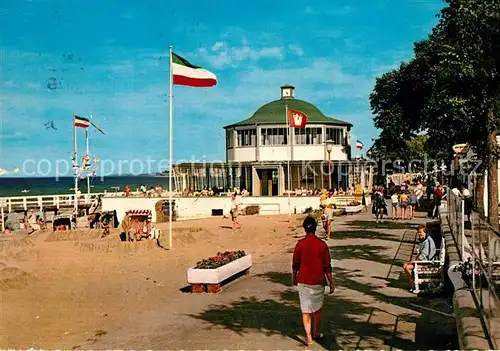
[(3, 218), (76, 164), (170, 153), (462, 227), (87, 155), (288, 161)]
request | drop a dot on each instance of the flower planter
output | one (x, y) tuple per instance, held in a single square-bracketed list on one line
[(353, 209), (209, 280)]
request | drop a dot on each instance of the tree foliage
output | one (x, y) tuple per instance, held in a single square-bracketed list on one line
[(450, 89)]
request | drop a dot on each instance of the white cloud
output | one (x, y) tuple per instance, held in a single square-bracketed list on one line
[(6, 172), (221, 54), (297, 50), (33, 85)]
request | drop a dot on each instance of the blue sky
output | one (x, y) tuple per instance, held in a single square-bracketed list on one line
[(110, 59)]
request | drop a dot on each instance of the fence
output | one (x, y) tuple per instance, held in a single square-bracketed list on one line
[(484, 268), (479, 249)]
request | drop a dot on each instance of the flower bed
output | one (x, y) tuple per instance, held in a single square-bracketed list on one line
[(209, 273), (219, 260)]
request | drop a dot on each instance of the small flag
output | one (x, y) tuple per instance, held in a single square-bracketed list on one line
[(297, 119), (359, 145), (81, 122), (185, 73), (96, 127)]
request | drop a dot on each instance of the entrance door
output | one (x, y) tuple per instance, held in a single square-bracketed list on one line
[(268, 179)]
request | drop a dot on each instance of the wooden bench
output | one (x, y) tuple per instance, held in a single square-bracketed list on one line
[(425, 272)]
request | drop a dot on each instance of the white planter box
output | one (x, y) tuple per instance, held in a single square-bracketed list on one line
[(215, 276), (354, 209)]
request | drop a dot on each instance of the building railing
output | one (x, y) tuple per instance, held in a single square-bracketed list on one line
[(479, 249), (14, 203)]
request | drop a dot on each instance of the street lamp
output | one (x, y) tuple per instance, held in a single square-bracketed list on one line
[(329, 147)]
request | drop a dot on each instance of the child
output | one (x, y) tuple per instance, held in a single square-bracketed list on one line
[(395, 205), (413, 199), (404, 201)]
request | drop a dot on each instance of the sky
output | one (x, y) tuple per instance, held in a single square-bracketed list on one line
[(109, 59)]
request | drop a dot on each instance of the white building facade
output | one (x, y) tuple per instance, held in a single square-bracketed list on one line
[(261, 149)]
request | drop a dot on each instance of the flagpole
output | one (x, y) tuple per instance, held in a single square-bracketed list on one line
[(87, 155), (288, 162), (170, 153), (76, 165)]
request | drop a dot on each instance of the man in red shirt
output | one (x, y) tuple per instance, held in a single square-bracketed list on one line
[(311, 268)]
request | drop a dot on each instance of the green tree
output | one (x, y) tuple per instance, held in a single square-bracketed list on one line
[(451, 88)]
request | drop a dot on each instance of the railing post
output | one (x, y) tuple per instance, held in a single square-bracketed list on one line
[(3, 222), (9, 203), (474, 254), (462, 225), (57, 201), (25, 204), (40, 202)]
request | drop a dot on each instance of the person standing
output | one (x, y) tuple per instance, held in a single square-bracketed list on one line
[(311, 268), (467, 201), (438, 196), (419, 192), (329, 212), (395, 205), (234, 211)]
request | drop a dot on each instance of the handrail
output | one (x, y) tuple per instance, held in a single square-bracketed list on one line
[(481, 258)]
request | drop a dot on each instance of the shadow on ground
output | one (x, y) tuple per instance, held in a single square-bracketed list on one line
[(347, 322), (360, 252), (386, 224), (366, 234)]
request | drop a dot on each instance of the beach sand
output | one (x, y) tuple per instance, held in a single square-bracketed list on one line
[(67, 289)]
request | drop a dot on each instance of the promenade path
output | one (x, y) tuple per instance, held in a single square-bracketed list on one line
[(371, 307)]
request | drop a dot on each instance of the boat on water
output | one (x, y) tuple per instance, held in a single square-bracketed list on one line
[(25, 191)]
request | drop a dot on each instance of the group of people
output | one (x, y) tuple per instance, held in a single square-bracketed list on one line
[(404, 204)]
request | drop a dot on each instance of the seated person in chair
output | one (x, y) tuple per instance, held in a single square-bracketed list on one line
[(427, 252)]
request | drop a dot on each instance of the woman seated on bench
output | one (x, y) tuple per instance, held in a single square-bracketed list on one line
[(427, 251)]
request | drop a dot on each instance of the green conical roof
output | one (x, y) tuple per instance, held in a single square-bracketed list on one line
[(274, 113)]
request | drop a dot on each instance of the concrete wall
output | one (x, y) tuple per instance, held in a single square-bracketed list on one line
[(192, 207)]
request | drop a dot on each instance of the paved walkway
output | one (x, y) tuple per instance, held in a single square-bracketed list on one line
[(371, 308)]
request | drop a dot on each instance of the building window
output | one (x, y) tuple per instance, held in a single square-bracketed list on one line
[(229, 139), (273, 136), (246, 137), (336, 135), (309, 136)]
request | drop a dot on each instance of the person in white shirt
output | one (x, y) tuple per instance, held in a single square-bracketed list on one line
[(467, 201), (395, 205), (419, 192), (234, 211)]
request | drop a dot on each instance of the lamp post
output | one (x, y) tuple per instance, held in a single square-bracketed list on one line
[(329, 147)]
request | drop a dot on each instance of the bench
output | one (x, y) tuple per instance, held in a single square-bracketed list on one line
[(425, 272)]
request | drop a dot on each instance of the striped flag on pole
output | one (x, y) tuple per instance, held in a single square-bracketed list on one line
[(81, 122)]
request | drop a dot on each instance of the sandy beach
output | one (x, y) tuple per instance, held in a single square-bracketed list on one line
[(67, 289)]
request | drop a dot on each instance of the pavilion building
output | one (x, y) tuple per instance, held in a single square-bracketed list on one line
[(261, 149)]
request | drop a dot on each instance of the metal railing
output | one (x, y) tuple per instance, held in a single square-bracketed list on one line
[(484, 266), (456, 219), (13, 203), (479, 249)]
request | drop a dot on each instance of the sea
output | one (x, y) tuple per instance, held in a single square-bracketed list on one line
[(14, 186)]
